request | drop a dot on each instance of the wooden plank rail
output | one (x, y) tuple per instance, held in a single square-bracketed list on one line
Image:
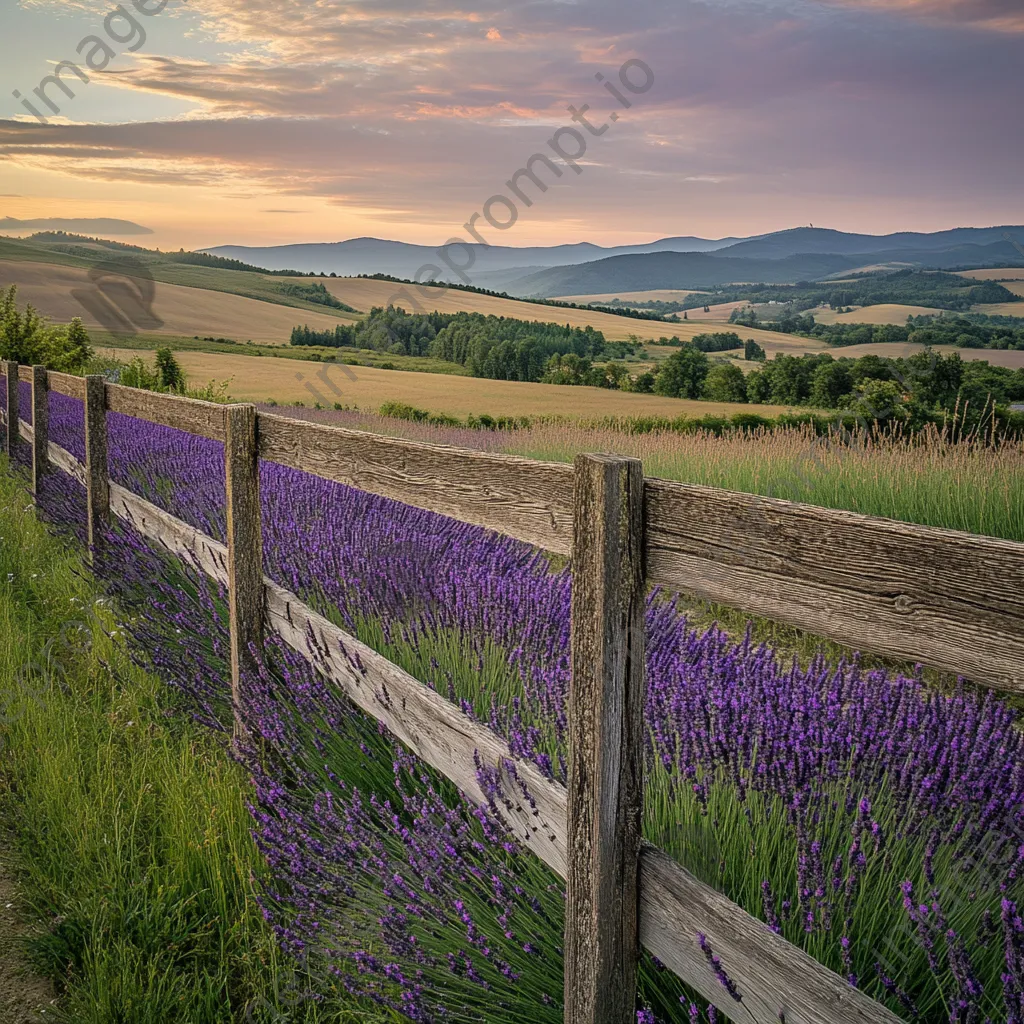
[(188, 414), (67, 384), (949, 600), (531, 501)]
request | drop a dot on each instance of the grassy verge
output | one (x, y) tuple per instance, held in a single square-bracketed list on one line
[(130, 834), (104, 340)]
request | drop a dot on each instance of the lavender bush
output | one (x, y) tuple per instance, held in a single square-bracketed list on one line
[(872, 821)]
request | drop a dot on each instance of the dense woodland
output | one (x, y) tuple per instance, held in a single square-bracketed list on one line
[(904, 287), (316, 293), (915, 390), (501, 348)]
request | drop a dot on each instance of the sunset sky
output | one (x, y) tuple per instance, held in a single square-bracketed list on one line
[(272, 121)]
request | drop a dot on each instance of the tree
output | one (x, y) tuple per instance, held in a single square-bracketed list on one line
[(830, 383), (753, 352), (682, 375), (880, 401), (759, 387), (22, 334), (76, 349), (27, 337), (642, 383), (725, 382), (172, 377)]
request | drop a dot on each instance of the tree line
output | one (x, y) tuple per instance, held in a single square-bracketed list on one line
[(500, 348), (902, 287), (29, 338)]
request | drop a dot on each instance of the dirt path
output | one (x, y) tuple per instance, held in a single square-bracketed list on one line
[(24, 997)]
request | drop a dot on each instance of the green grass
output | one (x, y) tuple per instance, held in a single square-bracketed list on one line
[(129, 828), (303, 353)]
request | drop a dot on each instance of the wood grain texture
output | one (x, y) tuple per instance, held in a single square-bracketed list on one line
[(774, 979), (11, 378), (188, 414), (531, 501), (25, 374), (176, 537), (674, 906), (65, 461), (97, 472), (949, 600), (40, 427), (66, 384), (430, 726), (605, 741), (245, 548)]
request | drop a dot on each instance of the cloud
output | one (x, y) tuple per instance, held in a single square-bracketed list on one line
[(424, 108), (990, 15)]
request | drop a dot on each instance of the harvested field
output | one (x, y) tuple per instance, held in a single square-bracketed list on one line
[(885, 313), (259, 379), (655, 295), (1013, 360), (363, 294), (1001, 309), (175, 309), (1002, 274)]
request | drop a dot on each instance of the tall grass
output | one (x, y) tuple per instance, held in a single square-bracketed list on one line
[(131, 831), (974, 484)]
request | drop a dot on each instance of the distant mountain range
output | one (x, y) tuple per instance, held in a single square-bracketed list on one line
[(402, 259), (783, 257), (76, 225)]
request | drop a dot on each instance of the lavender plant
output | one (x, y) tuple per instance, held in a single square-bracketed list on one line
[(874, 822)]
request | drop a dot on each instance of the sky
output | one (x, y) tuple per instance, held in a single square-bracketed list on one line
[(264, 122)]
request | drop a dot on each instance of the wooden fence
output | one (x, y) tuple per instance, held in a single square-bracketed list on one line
[(947, 599)]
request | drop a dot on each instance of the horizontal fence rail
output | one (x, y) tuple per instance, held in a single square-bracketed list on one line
[(531, 501), (946, 599), (773, 976)]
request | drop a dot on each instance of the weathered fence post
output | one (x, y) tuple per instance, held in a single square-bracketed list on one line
[(11, 370), (97, 479), (40, 426), (245, 546), (605, 741)]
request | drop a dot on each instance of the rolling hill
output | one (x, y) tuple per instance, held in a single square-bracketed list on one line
[(487, 266), (65, 292)]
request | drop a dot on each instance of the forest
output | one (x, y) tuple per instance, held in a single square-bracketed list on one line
[(500, 348), (903, 287), (915, 390)]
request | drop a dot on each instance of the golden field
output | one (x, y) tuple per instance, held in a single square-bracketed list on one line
[(654, 295), (362, 294), (1002, 274), (1001, 309), (255, 379), (896, 350), (885, 313), (175, 310)]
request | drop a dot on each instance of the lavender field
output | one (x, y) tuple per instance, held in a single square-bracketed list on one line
[(872, 821)]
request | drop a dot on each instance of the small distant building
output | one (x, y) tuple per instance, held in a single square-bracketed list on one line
[(1018, 407)]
